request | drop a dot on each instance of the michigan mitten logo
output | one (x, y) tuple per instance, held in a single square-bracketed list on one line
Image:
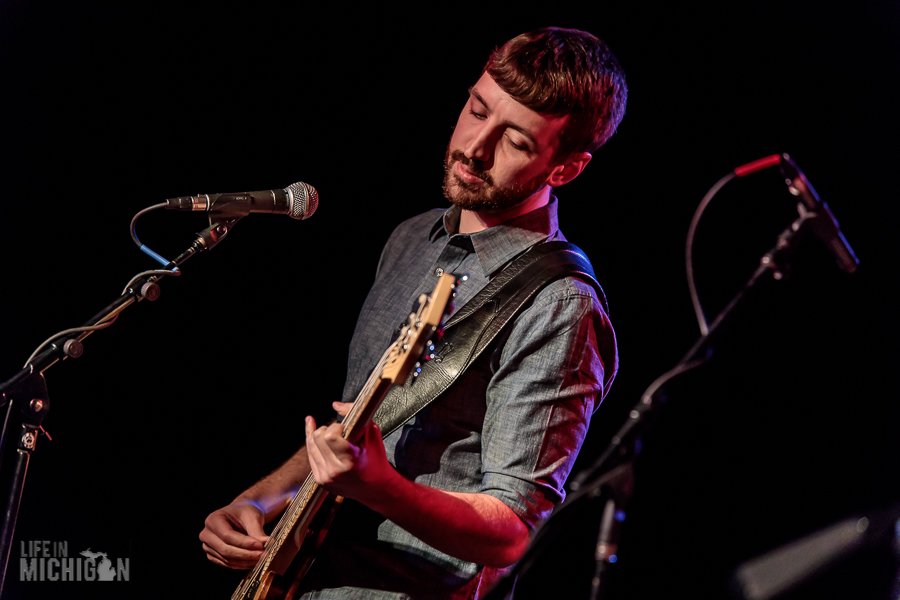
[(42, 560)]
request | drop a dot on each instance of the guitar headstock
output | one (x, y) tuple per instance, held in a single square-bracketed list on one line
[(439, 334), (421, 326)]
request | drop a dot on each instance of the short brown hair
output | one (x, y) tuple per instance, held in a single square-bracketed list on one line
[(564, 72)]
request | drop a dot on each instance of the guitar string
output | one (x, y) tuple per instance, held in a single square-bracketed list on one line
[(308, 488), (414, 323), (298, 504)]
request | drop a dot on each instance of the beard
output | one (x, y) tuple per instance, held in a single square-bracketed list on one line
[(485, 197)]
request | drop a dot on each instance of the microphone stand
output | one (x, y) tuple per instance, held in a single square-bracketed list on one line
[(608, 483), (28, 389)]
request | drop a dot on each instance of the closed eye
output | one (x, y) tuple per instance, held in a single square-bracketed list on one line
[(517, 146)]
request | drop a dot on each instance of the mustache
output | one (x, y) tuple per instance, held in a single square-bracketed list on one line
[(470, 164)]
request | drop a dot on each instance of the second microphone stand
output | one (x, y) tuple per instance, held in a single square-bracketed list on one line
[(607, 485)]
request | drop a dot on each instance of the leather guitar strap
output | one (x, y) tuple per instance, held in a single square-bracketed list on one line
[(477, 324)]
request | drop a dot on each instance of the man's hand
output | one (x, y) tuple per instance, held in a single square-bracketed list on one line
[(474, 527), (358, 472), (234, 536)]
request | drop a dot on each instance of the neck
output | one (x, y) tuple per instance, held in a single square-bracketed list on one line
[(471, 221)]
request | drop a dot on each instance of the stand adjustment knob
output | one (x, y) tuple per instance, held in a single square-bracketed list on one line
[(150, 291), (73, 348)]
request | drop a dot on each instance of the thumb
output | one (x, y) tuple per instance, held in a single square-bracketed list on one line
[(342, 408), (373, 437), (252, 521)]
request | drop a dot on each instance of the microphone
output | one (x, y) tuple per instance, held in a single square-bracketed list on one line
[(825, 226), (298, 201)]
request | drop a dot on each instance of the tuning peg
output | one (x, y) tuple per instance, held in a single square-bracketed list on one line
[(429, 351), (451, 306), (459, 281)]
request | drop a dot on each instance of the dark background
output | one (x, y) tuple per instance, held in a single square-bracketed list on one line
[(107, 108)]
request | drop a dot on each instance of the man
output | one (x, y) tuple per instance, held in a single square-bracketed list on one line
[(443, 505)]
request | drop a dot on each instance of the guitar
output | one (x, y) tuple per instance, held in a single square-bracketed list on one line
[(290, 550)]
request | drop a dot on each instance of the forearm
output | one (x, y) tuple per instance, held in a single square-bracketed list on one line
[(472, 527), (272, 493)]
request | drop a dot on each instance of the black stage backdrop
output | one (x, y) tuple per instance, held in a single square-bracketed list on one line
[(107, 108)]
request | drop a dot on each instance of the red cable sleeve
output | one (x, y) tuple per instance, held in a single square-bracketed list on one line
[(758, 165)]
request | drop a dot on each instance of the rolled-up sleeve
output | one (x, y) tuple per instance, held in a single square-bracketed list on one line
[(548, 378)]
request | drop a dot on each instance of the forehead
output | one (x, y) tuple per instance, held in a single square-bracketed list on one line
[(544, 129)]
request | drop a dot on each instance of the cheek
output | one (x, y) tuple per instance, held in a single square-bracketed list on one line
[(513, 168)]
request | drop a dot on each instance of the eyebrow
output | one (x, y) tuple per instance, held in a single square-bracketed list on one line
[(522, 130)]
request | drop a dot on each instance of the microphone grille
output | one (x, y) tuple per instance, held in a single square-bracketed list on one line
[(304, 200)]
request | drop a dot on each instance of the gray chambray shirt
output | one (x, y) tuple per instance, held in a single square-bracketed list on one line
[(511, 427)]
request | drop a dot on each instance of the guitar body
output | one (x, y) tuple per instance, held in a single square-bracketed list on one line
[(290, 549)]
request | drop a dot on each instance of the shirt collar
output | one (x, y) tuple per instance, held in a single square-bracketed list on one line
[(497, 245)]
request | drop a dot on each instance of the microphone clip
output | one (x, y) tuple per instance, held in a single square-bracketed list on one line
[(216, 232)]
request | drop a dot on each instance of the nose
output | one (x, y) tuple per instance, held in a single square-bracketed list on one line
[(480, 146)]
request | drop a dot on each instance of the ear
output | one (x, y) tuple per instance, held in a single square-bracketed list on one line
[(570, 169)]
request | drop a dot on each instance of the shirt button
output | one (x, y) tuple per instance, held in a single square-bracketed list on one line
[(439, 271)]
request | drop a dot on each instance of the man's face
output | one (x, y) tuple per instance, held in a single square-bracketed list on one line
[(500, 152)]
